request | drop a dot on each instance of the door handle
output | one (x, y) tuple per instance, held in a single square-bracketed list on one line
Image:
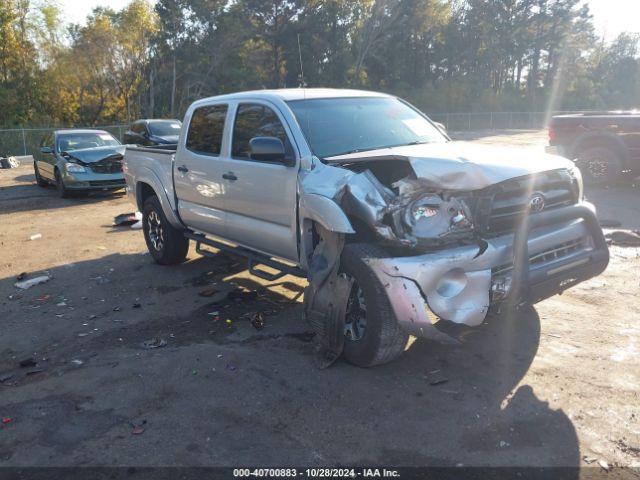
[(229, 176), (183, 169)]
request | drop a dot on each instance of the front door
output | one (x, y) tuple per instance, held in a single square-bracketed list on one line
[(260, 197), (198, 171)]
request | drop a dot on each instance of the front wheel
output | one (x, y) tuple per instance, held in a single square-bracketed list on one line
[(62, 190), (599, 165), (372, 333), (39, 180), (167, 244)]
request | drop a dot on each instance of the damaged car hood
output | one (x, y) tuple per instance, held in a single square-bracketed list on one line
[(96, 154), (461, 165)]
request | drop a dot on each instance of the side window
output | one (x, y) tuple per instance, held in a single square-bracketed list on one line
[(205, 129), (137, 127), (253, 120)]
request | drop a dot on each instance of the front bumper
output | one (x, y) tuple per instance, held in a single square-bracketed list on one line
[(94, 181), (550, 252)]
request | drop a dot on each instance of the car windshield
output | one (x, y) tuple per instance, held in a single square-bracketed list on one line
[(336, 126), (164, 129), (76, 141)]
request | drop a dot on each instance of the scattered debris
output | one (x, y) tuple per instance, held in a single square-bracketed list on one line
[(555, 335), (77, 362), (231, 366), (137, 225), (83, 334), (240, 295), (154, 343), (503, 444), (208, 292), (34, 281), (34, 371), (9, 162), (603, 464), (126, 219), (438, 381), (138, 429), (137, 305), (116, 309), (589, 460), (36, 236), (21, 276), (6, 420), (623, 238), (257, 320), (28, 362), (229, 322)]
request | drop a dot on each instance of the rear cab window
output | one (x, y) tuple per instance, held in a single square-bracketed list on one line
[(206, 129), (256, 120)]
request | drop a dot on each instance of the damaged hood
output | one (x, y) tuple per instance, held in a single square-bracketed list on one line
[(96, 154), (461, 165)]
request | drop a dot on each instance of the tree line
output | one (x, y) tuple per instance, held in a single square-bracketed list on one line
[(153, 60)]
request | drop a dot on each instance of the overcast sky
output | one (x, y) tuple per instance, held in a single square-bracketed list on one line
[(611, 16)]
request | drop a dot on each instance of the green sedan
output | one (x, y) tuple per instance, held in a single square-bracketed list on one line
[(78, 161)]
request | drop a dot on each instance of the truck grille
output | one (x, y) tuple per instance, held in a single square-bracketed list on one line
[(503, 205)]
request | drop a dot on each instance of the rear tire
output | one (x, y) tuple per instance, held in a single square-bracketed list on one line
[(382, 339), (167, 244), (39, 180), (599, 165)]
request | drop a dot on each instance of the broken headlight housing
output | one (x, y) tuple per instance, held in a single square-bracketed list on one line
[(74, 168), (436, 219)]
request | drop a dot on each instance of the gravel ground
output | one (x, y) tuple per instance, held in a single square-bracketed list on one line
[(551, 385)]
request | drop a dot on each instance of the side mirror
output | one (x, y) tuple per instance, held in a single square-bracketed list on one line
[(268, 149), (46, 150)]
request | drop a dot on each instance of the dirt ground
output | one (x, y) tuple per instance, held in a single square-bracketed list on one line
[(558, 384)]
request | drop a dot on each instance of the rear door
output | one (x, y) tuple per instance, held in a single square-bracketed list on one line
[(198, 170), (260, 197)]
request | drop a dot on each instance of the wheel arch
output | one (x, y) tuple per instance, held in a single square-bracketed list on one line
[(601, 139)]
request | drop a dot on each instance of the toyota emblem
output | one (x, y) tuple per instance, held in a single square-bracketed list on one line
[(536, 204)]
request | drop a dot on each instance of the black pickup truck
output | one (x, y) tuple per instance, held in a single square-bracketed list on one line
[(605, 145)]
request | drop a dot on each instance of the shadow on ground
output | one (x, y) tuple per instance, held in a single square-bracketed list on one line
[(226, 393)]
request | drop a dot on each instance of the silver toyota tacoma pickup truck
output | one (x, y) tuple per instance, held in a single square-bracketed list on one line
[(399, 230)]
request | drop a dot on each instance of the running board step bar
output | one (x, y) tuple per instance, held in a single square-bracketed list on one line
[(254, 258)]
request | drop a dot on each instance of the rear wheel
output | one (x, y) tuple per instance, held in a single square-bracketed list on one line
[(39, 180), (599, 165), (372, 333), (166, 243)]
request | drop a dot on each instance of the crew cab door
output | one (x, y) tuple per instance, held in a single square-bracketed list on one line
[(198, 170), (260, 196)]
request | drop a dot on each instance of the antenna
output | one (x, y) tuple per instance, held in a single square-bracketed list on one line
[(302, 84)]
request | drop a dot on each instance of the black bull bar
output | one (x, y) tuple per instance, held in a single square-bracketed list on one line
[(531, 287)]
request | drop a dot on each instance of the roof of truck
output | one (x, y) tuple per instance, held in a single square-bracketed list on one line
[(288, 94)]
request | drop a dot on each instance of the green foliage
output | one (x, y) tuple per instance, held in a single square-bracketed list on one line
[(442, 55)]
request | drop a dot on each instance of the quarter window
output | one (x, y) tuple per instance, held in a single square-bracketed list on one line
[(205, 129), (254, 120)]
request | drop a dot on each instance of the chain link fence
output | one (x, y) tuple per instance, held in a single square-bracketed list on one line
[(24, 141)]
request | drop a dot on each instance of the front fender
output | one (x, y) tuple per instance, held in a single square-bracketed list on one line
[(324, 211)]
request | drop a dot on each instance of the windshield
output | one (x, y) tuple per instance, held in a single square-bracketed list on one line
[(164, 129), (76, 141), (335, 126)]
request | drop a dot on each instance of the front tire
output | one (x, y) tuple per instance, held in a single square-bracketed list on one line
[(599, 165), (373, 335), (39, 180), (62, 190), (167, 244)]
